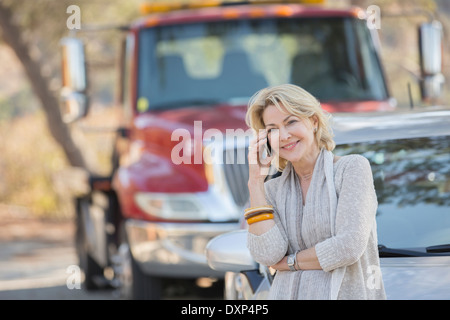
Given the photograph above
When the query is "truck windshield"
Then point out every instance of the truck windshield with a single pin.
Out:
(228, 61)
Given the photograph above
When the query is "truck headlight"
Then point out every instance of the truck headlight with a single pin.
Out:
(171, 206)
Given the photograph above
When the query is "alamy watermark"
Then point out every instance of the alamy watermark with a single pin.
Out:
(372, 15)
(73, 281)
(74, 20)
(209, 146)
(191, 150)
(374, 279)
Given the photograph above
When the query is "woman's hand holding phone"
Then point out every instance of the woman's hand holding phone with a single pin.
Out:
(260, 156)
(259, 164)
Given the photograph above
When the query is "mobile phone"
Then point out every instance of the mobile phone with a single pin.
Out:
(268, 148)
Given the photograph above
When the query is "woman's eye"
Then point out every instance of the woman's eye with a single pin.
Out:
(292, 121)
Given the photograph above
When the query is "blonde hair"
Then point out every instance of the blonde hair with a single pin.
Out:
(296, 101)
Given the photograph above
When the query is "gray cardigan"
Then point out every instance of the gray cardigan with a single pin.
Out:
(345, 242)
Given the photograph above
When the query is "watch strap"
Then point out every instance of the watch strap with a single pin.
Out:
(295, 261)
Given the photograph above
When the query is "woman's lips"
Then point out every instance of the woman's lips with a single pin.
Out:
(290, 146)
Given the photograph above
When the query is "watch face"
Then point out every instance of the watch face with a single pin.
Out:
(290, 260)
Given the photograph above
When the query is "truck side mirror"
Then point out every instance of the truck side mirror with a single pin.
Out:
(228, 252)
(74, 101)
(430, 48)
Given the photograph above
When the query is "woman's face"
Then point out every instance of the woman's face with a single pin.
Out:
(290, 136)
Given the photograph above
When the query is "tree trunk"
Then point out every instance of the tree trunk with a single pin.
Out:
(50, 104)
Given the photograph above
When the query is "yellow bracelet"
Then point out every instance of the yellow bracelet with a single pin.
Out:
(252, 209)
(260, 217)
(255, 213)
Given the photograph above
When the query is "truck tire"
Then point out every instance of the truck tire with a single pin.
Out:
(91, 269)
(145, 287)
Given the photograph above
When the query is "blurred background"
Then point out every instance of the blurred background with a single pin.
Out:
(34, 174)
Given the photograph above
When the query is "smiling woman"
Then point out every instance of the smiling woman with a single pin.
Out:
(286, 109)
(318, 225)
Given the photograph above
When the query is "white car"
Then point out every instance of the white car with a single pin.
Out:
(410, 158)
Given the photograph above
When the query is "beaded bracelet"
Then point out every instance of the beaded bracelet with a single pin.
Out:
(260, 217)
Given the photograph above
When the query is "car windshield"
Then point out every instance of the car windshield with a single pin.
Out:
(228, 61)
(412, 180)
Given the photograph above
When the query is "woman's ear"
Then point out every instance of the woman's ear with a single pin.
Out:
(315, 122)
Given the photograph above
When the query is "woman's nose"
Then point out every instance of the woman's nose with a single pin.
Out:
(283, 134)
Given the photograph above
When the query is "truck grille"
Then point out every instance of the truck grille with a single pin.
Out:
(235, 166)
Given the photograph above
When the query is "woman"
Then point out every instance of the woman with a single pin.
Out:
(315, 224)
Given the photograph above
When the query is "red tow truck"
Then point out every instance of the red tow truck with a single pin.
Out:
(188, 69)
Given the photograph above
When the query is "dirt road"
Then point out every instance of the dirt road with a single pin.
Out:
(38, 261)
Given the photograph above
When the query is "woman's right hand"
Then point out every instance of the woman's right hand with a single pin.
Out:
(258, 171)
(259, 161)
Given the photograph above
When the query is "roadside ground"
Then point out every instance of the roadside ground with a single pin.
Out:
(38, 262)
(37, 258)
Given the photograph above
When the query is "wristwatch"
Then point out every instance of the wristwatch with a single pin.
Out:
(291, 262)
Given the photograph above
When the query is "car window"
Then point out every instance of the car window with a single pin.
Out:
(412, 181)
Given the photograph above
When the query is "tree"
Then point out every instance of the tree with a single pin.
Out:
(11, 33)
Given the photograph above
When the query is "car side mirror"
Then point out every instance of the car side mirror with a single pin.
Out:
(430, 49)
(228, 252)
(73, 99)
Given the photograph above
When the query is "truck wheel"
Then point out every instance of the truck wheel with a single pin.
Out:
(91, 269)
(145, 287)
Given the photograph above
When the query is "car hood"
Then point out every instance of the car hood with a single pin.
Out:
(416, 278)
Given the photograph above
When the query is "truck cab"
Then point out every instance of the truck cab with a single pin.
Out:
(179, 173)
